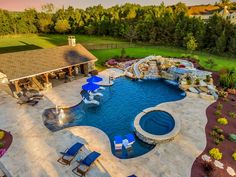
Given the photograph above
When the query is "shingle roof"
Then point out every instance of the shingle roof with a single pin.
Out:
(27, 63)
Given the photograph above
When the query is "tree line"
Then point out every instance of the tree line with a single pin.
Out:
(162, 24)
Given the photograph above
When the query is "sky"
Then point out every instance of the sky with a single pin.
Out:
(18, 5)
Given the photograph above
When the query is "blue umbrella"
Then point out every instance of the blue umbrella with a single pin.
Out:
(90, 86)
(94, 79)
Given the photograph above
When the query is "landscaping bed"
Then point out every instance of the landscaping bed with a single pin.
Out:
(220, 109)
(5, 141)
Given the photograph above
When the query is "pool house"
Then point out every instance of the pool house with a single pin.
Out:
(44, 68)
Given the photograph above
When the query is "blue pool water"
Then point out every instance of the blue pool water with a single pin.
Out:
(119, 107)
(157, 122)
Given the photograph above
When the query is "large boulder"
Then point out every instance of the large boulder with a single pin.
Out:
(232, 137)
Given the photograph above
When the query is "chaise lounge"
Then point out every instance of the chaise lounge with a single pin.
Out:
(70, 154)
(85, 164)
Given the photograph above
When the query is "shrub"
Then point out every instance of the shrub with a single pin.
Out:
(219, 106)
(196, 57)
(2, 133)
(232, 115)
(221, 137)
(122, 53)
(197, 81)
(222, 94)
(1, 145)
(208, 168)
(215, 153)
(208, 78)
(218, 113)
(217, 141)
(234, 155)
(228, 79)
(213, 133)
(222, 121)
(219, 131)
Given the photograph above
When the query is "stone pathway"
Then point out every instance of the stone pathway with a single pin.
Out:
(35, 150)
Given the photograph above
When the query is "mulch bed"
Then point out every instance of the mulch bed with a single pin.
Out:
(226, 147)
(7, 140)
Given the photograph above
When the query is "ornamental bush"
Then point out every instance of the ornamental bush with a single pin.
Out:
(218, 112)
(1, 145)
(232, 115)
(222, 121)
(215, 153)
(219, 106)
(2, 133)
(234, 155)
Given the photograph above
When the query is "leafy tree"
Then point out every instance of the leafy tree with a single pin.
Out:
(62, 26)
(191, 43)
(44, 22)
(221, 43)
(131, 34)
(48, 8)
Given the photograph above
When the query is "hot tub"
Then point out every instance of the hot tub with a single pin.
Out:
(155, 126)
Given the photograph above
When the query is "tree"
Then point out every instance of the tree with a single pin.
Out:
(62, 26)
(221, 43)
(48, 8)
(225, 2)
(191, 43)
(131, 34)
(44, 22)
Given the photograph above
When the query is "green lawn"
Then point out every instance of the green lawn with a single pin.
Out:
(13, 43)
(144, 51)
(33, 41)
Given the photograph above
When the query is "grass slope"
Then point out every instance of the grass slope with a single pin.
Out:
(144, 51)
(12, 43)
(33, 41)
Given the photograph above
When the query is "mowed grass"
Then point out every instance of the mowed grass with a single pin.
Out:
(13, 43)
(143, 51)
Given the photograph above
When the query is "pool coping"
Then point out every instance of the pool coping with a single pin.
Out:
(151, 138)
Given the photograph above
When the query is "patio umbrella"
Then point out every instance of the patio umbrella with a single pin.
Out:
(94, 79)
(90, 86)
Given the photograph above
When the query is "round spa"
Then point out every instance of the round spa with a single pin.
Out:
(155, 126)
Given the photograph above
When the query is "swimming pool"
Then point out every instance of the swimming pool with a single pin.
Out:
(157, 122)
(118, 108)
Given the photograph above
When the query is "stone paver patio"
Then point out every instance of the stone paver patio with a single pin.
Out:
(35, 150)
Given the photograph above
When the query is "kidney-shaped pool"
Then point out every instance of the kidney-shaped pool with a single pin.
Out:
(118, 107)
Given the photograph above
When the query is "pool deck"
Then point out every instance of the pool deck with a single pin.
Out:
(35, 150)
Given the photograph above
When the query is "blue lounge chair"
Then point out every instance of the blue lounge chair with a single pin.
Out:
(128, 141)
(85, 164)
(118, 142)
(70, 154)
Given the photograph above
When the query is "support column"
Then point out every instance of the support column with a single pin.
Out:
(17, 87)
(70, 71)
(47, 84)
(85, 68)
(46, 78)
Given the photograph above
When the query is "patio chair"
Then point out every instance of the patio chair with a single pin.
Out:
(118, 141)
(33, 94)
(26, 100)
(70, 154)
(128, 141)
(85, 164)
